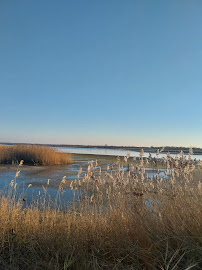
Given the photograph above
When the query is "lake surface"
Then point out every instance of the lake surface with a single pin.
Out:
(113, 152)
(37, 176)
(32, 179)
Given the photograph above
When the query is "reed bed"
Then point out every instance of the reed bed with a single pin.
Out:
(124, 220)
(33, 155)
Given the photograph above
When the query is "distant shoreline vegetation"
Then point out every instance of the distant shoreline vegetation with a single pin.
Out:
(151, 149)
(33, 155)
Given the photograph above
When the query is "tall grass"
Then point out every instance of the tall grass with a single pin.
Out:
(33, 155)
(125, 220)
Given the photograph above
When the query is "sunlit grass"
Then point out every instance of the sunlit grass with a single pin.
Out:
(124, 220)
(33, 155)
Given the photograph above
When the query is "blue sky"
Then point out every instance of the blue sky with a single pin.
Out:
(120, 72)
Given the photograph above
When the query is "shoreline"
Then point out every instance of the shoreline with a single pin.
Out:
(152, 149)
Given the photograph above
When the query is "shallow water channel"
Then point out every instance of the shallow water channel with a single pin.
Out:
(33, 179)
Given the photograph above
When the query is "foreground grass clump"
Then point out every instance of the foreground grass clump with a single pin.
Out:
(125, 220)
(33, 155)
(128, 235)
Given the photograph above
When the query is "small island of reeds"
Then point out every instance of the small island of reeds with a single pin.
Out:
(33, 155)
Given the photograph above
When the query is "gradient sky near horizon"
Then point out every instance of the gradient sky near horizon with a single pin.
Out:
(116, 72)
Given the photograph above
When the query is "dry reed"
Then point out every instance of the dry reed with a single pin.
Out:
(125, 220)
(33, 155)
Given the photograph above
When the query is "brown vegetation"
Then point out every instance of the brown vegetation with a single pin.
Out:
(110, 227)
(32, 155)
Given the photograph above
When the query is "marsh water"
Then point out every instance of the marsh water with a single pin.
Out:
(113, 152)
(33, 179)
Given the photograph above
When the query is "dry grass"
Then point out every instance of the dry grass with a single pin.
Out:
(32, 155)
(125, 220)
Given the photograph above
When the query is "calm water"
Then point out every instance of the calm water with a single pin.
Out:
(38, 176)
(112, 152)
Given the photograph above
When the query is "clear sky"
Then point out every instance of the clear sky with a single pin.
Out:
(119, 72)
